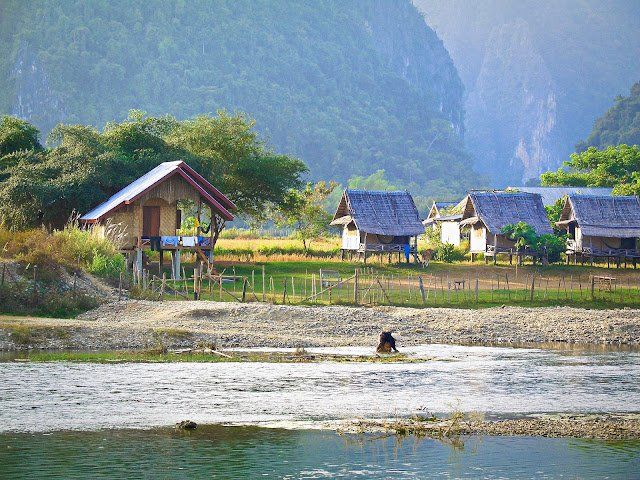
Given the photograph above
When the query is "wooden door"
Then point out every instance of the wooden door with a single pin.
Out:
(151, 221)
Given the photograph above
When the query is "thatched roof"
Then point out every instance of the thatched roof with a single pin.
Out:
(452, 210)
(382, 213)
(551, 195)
(499, 209)
(603, 216)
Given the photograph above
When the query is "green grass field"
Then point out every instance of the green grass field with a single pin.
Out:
(443, 285)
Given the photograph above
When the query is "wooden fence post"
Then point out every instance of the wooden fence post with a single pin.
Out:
(284, 291)
(477, 281)
(244, 289)
(264, 294)
(356, 293)
(421, 285)
(533, 286)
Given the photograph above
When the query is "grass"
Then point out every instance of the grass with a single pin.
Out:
(31, 334)
(554, 284)
(156, 356)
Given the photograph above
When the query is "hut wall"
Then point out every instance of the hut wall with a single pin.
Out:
(450, 233)
(478, 238)
(350, 237)
(601, 243)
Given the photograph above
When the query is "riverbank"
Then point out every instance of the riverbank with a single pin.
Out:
(603, 426)
(138, 324)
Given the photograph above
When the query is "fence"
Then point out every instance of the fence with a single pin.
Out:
(368, 286)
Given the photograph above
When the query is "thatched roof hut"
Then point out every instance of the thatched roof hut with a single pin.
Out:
(487, 213)
(146, 214)
(601, 225)
(377, 221)
(447, 216)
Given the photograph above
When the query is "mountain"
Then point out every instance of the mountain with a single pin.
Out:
(537, 73)
(350, 87)
(620, 124)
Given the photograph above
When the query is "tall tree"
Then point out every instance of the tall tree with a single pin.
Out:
(617, 167)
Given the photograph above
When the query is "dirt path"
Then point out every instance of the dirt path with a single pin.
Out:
(141, 324)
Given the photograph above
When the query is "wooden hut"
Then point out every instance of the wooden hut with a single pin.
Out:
(487, 213)
(601, 226)
(446, 215)
(144, 215)
(378, 222)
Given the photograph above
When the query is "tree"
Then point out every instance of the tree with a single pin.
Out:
(17, 135)
(234, 159)
(551, 246)
(304, 212)
(617, 167)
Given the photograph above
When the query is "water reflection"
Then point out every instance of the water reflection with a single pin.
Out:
(249, 452)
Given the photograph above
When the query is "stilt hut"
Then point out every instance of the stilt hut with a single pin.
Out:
(601, 227)
(144, 215)
(487, 213)
(378, 222)
(446, 215)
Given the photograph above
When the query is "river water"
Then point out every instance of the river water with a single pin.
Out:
(83, 409)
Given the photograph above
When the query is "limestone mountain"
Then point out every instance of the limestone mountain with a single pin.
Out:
(350, 87)
(537, 72)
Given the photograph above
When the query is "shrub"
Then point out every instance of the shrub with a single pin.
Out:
(448, 253)
(108, 266)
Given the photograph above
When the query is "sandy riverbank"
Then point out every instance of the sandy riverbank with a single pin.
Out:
(141, 324)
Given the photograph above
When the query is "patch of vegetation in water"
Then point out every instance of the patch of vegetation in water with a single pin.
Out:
(203, 356)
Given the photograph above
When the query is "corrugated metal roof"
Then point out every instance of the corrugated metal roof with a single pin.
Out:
(551, 195)
(499, 209)
(604, 216)
(148, 181)
(380, 212)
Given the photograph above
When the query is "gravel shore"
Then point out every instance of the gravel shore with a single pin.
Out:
(174, 324)
(604, 426)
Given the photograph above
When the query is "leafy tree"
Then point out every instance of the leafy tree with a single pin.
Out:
(617, 167)
(305, 213)
(526, 237)
(17, 135)
(554, 211)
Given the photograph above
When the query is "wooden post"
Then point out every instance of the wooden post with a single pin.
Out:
(284, 291)
(244, 289)
(533, 286)
(356, 293)
(264, 294)
(506, 275)
(421, 285)
(592, 287)
(163, 284)
(477, 281)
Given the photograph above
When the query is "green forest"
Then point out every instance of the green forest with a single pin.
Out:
(337, 84)
(619, 125)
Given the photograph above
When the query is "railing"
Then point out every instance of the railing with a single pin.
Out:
(493, 250)
(380, 247)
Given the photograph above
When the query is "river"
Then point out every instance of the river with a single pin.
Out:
(104, 412)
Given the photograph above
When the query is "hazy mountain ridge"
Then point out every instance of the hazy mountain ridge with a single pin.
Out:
(349, 87)
(590, 50)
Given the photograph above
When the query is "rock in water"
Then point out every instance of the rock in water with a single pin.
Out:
(187, 425)
(387, 343)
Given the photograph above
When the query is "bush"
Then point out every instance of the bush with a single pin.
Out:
(448, 253)
(107, 266)
(71, 248)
